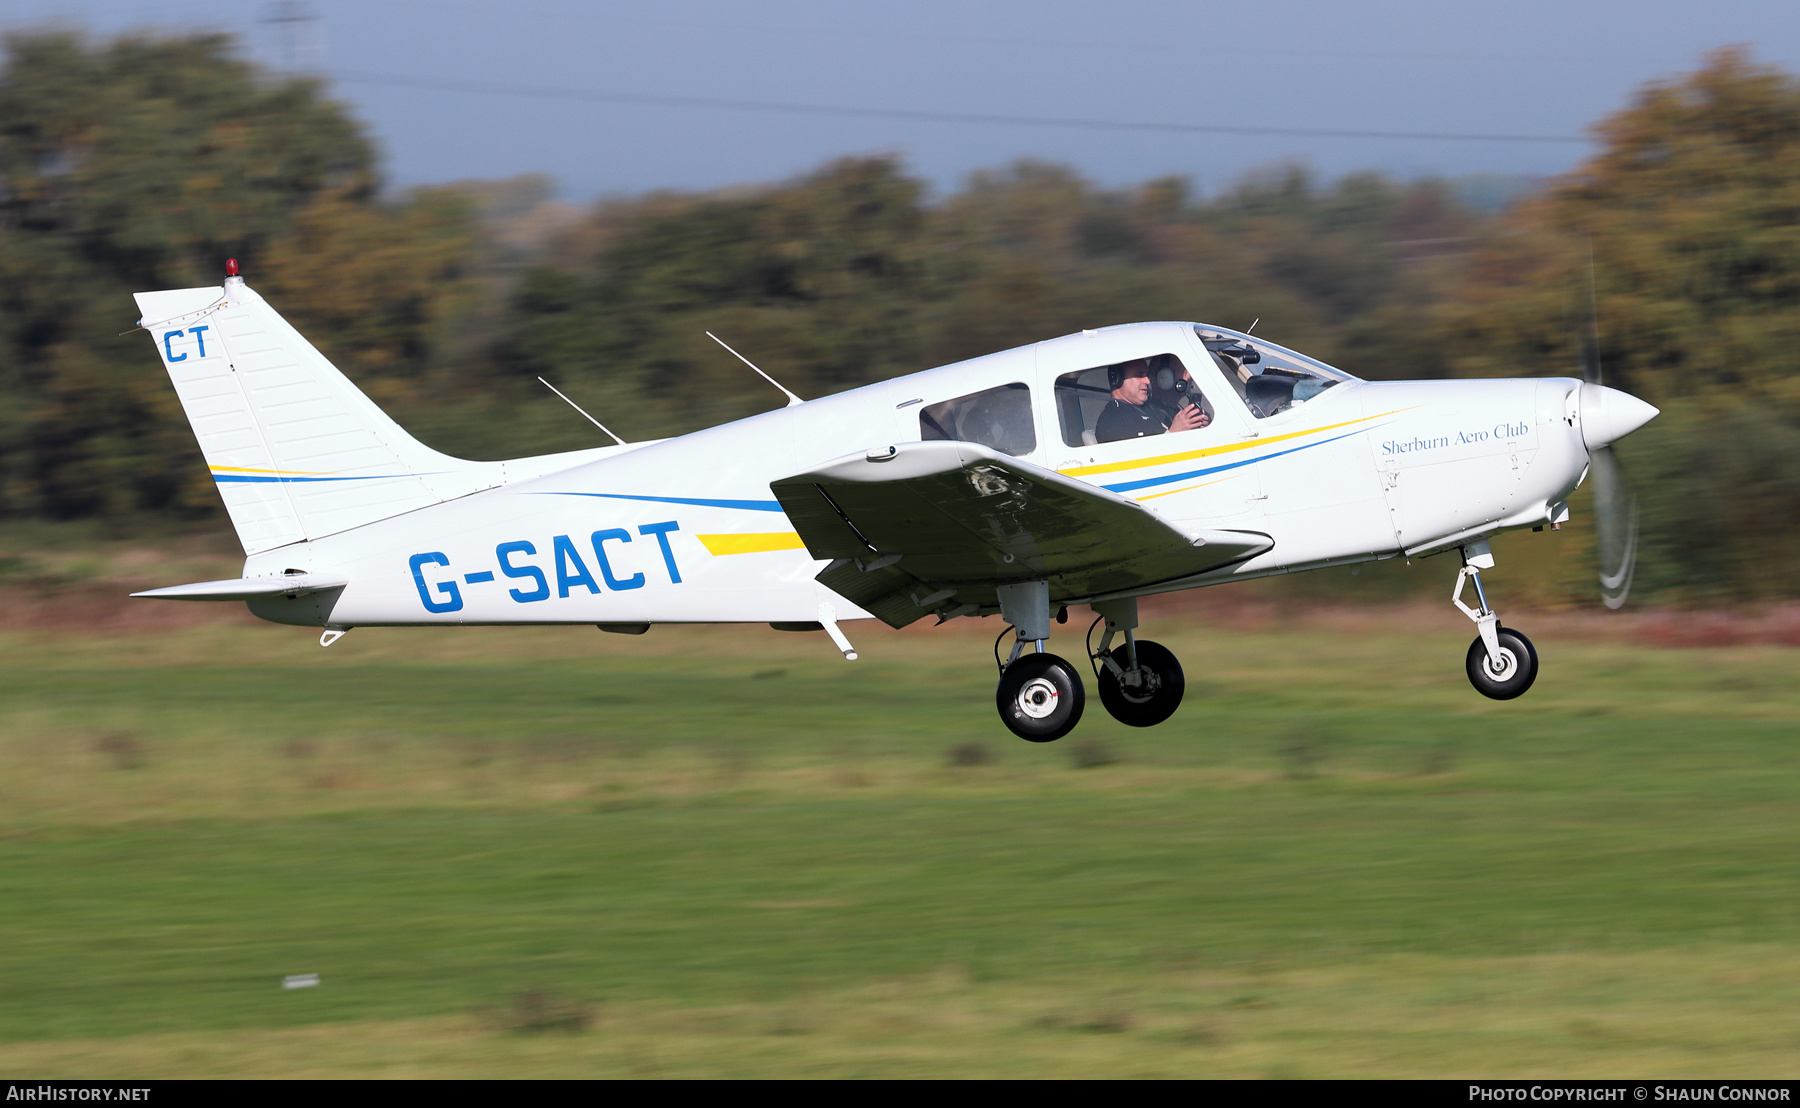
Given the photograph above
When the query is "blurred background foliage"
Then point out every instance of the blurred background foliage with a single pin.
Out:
(143, 162)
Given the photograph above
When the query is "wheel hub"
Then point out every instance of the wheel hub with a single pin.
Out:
(1144, 689)
(1508, 664)
(1038, 698)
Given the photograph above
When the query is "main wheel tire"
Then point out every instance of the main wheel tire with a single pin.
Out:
(1153, 701)
(1517, 670)
(1040, 698)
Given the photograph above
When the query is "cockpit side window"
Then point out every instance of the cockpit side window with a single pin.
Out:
(1083, 397)
(999, 418)
(1269, 379)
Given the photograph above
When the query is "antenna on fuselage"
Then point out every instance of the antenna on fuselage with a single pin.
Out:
(792, 399)
(577, 407)
(1252, 327)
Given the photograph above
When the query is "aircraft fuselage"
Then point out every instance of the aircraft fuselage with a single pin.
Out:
(687, 529)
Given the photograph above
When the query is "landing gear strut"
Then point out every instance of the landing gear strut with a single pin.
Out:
(1141, 683)
(1502, 663)
(1040, 697)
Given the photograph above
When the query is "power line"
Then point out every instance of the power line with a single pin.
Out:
(1171, 45)
(300, 33)
(591, 96)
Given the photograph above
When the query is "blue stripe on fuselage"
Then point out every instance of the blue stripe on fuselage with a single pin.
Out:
(745, 505)
(1148, 482)
(1125, 486)
(250, 479)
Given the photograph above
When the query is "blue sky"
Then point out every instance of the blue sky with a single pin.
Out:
(1529, 67)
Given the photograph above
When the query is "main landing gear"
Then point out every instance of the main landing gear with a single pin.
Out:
(1141, 683)
(1502, 663)
(1041, 697)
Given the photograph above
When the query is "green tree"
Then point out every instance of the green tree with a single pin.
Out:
(1687, 224)
(143, 163)
(818, 281)
(849, 275)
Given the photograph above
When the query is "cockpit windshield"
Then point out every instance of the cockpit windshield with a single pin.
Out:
(1271, 379)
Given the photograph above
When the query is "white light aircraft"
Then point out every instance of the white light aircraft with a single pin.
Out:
(1018, 484)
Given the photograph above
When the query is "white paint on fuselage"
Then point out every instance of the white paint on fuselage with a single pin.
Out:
(1364, 470)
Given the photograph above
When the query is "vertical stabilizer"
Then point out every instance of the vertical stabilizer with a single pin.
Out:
(297, 450)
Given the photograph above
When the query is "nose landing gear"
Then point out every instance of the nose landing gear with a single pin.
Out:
(1501, 662)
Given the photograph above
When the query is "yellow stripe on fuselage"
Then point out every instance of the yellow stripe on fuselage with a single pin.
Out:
(756, 542)
(268, 472)
(1184, 488)
(1212, 451)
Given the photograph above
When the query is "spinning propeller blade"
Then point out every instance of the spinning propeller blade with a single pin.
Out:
(1615, 508)
(1615, 527)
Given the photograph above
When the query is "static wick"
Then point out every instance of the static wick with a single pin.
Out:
(577, 407)
(792, 399)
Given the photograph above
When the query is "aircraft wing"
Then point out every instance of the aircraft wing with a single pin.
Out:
(934, 526)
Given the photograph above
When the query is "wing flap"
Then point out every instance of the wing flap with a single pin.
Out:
(887, 592)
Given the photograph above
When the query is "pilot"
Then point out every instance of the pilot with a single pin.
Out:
(1129, 415)
(1173, 396)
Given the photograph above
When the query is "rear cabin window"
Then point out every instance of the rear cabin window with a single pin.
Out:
(1083, 397)
(999, 418)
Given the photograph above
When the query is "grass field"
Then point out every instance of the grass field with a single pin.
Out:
(728, 852)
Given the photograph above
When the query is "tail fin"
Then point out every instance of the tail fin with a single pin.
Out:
(297, 450)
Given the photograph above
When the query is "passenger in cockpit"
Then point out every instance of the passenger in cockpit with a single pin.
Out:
(1174, 397)
(1125, 415)
(1130, 415)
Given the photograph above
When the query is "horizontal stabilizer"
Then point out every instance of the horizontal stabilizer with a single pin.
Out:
(249, 588)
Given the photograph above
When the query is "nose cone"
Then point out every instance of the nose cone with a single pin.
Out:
(1608, 415)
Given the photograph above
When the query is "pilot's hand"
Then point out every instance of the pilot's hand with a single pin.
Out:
(1188, 418)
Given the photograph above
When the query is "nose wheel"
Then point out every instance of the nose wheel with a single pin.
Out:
(1506, 673)
(1502, 663)
(1040, 697)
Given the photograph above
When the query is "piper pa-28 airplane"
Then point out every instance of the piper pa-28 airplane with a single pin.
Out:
(1090, 469)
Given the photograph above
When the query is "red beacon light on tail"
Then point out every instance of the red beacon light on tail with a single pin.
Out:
(231, 267)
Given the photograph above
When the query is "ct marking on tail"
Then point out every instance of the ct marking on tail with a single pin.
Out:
(199, 334)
